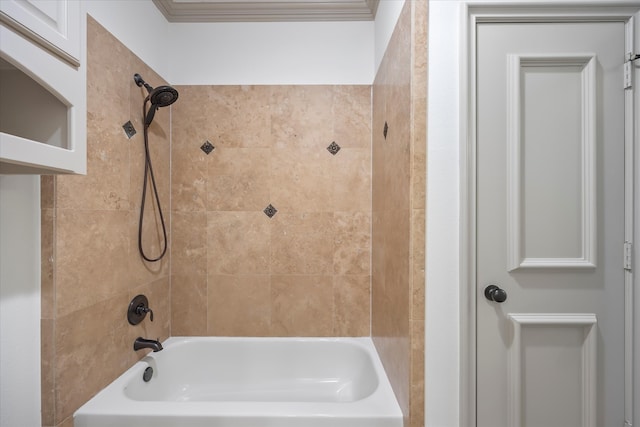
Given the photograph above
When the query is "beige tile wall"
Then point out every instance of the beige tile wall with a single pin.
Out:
(306, 270)
(399, 172)
(91, 268)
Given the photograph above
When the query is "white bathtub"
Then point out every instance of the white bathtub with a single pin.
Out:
(250, 382)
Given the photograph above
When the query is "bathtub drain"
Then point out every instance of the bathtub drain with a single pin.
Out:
(148, 373)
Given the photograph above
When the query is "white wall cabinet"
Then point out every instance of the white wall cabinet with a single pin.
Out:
(42, 87)
(55, 25)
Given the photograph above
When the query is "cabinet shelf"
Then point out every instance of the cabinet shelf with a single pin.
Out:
(25, 156)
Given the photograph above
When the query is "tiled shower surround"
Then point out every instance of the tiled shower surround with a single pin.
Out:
(398, 210)
(272, 232)
(90, 263)
(268, 195)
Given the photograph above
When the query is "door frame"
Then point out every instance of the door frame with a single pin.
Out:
(514, 11)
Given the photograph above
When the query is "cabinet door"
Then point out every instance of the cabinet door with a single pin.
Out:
(52, 24)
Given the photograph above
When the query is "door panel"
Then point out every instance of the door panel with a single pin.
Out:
(550, 221)
(552, 370)
(550, 128)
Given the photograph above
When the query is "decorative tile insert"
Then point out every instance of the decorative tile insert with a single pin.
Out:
(207, 147)
(333, 148)
(384, 131)
(270, 211)
(129, 129)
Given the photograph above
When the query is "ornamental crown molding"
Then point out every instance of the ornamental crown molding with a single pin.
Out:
(267, 10)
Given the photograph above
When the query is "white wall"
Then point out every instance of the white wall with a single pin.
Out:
(386, 19)
(250, 52)
(271, 53)
(443, 220)
(20, 301)
(282, 52)
(140, 26)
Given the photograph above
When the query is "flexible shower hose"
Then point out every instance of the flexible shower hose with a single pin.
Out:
(148, 171)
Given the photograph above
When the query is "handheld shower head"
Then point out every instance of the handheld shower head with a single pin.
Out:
(161, 96)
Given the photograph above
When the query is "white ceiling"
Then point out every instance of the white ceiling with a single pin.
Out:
(267, 10)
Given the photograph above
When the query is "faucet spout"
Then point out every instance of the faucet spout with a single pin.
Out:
(141, 343)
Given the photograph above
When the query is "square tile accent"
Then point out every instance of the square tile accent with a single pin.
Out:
(207, 147)
(384, 131)
(270, 211)
(129, 129)
(333, 148)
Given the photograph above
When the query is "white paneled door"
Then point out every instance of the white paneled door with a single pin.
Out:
(550, 224)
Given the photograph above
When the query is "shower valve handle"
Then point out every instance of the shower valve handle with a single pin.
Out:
(143, 309)
(138, 309)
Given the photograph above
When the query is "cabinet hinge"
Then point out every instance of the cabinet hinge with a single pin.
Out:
(628, 255)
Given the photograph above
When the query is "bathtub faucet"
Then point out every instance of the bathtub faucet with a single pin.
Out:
(141, 343)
